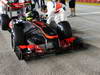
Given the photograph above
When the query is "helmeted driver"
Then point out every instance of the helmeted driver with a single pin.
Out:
(32, 15)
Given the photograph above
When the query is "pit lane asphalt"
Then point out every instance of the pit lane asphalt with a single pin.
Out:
(81, 62)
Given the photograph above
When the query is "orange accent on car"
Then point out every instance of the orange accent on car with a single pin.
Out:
(46, 35)
(51, 37)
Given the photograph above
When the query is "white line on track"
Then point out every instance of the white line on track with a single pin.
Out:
(89, 13)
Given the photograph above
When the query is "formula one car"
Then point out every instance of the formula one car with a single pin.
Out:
(37, 38)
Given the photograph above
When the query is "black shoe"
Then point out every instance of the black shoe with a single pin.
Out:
(70, 16)
(74, 15)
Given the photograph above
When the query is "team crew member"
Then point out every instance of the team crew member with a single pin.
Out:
(72, 7)
(57, 13)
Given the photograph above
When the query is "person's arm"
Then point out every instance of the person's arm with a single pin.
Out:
(51, 16)
(50, 12)
(3, 2)
(3, 6)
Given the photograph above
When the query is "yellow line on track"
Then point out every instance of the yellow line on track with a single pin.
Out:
(85, 3)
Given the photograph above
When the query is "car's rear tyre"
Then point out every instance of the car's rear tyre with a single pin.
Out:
(5, 21)
(64, 30)
(78, 43)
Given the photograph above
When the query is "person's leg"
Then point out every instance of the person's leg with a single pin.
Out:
(73, 12)
(34, 2)
(38, 3)
(72, 8)
(70, 15)
(0, 20)
(43, 2)
(0, 23)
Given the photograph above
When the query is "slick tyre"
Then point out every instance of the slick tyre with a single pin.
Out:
(18, 53)
(64, 30)
(18, 38)
(5, 21)
(15, 45)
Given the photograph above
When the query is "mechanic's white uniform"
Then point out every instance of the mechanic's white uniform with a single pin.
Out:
(57, 17)
(2, 6)
(50, 13)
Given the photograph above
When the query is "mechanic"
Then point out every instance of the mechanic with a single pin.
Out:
(54, 11)
(58, 12)
(50, 9)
